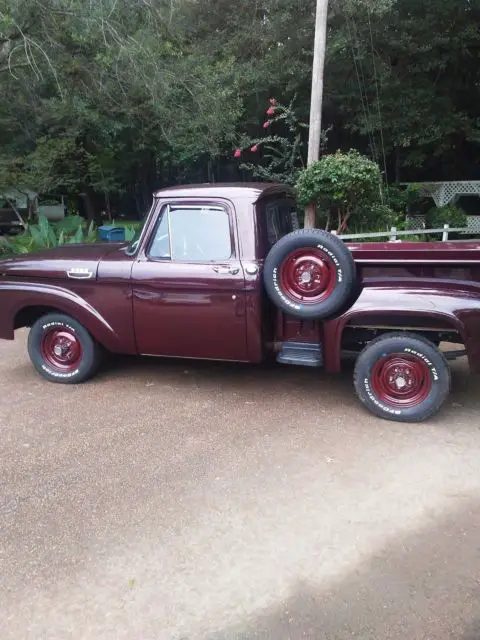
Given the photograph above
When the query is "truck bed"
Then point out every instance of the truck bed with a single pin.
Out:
(416, 252)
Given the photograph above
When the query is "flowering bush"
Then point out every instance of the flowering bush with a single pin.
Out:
(280, 156)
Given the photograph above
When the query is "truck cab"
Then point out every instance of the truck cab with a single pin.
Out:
(196, 277)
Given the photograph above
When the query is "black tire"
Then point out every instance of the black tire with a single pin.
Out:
(80, 357)
(338, 268)
(431, 375)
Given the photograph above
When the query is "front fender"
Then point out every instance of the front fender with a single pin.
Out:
(17, 296)
(454, 308)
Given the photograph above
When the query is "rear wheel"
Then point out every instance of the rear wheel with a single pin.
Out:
(402, 377)
(62, 350)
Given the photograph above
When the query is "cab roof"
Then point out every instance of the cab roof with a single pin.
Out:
(252, 191)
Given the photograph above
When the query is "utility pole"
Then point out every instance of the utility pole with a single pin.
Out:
(316, 100)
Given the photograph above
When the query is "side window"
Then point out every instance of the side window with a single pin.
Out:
(281, 218)
(197, 234)
(160, 247)
(273, 226)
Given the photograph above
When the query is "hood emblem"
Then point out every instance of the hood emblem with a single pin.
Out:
(79, 273)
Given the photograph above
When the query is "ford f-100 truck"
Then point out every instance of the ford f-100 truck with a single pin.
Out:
(222, 272)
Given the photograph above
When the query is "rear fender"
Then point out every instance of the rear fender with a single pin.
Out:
(456, 310)
(17, 296)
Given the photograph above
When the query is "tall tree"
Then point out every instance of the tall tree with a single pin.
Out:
(117, 98)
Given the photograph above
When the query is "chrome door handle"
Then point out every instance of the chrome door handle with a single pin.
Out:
(227, 270)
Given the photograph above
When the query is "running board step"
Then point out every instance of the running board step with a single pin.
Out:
(307, 354)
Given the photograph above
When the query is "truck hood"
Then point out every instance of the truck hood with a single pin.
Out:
(77, 262)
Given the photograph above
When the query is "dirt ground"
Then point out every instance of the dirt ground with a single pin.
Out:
(179, 500)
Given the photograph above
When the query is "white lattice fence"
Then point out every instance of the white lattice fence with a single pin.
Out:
(473, 224)
(416, 222)
(419, 222)
(444, 193)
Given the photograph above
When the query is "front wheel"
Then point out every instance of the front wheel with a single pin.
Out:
(62, 350)
(402, 377)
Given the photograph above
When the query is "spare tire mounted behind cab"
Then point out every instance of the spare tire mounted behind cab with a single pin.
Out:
(309, 274)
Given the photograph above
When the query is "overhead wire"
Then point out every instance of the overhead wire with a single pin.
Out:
(380, 123)
(363, 98)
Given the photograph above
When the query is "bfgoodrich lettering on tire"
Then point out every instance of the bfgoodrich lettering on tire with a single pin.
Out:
(402, 377)
(309, 274)
(62, 350)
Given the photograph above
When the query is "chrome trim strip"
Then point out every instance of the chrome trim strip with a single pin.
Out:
(387, 261)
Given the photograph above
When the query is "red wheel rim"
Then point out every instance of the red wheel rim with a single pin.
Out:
(61, 349)
(401, 380)
(308, 275)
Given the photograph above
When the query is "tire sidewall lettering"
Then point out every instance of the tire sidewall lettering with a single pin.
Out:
(428, 362)
(57, 374)
(374, 399)
(287, 301)
(334, 259)
(49, 325)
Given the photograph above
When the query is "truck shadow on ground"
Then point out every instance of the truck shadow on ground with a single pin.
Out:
(312, 385)
(423, 585)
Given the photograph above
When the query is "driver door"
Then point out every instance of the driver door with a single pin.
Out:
(189, 287)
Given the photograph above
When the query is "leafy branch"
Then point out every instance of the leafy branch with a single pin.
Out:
(281, 156)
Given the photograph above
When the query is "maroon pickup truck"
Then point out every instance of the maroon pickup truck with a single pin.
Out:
(222, 272)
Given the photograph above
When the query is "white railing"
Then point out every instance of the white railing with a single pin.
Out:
(393, 233)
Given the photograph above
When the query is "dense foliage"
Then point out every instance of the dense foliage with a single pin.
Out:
(450, 214)
(113, 99)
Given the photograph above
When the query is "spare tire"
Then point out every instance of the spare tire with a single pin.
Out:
(309, 274)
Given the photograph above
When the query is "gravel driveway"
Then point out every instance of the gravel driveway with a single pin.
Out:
(179, 500)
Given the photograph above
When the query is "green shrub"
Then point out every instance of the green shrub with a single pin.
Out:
(5, 249)
(69, 224)
(344, 185)
(47, 235)
(450, 214)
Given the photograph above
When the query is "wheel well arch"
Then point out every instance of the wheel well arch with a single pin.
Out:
(416, 322)
(384, 320)
(27, 316)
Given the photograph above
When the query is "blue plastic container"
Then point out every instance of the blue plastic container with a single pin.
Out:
(111, 234)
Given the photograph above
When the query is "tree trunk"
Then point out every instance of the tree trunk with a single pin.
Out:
(343, 221)
(327, 226)
(88, 200)
(108, 208)
(210, 171)
(310, 211)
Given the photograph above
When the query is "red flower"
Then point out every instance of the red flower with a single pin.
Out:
(273, 102)
(271, 111)
(254, 148)
(266, 124)
(238, 153)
